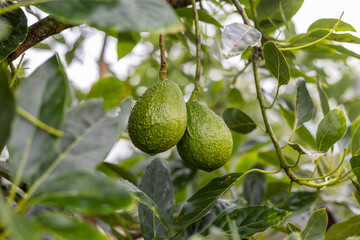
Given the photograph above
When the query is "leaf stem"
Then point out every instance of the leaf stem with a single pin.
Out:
(22, 112)
(196, 90)
(275, 98)
(296, 163)
(16, 71)
(242, 12)
(286, 198)
(163, 67)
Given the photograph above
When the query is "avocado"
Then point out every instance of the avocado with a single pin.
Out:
(207, 143)
(158, 119)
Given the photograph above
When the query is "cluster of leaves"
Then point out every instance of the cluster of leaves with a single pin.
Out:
(56, 183)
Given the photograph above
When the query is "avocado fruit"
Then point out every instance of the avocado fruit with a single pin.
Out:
(158, 119)
(207, 143)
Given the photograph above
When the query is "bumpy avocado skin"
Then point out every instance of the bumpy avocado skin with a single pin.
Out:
(158, 119)
(207, 143)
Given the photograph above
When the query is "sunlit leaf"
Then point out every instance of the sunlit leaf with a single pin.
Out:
(331, 129)
(329, 23)
(355, 166)
(343, 230)
(237, 37)
(238, 121)
(304, 107)
(126, 43)
(316, 226)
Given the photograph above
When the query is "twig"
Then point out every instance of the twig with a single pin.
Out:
(163, 68)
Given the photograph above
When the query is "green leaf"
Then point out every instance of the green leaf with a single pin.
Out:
(156, 183)
(297, 200)
(254, 187)
(252, 219)
(331, 129)
(7, 110)
(343, 230)
(270, 9)
(111, 89)
(86, 192)
(323, 98)
(304, 107)
(301, 150)
(43, 95)
(316, 226)
(355, 142)
(238, 121)
(276, 63)
(295, 73)
(4, 29)
(290, 228)
(17, 23)
(343, 50)
(70, 55)
(20, 228)
(203, 16)
(354, 125)
(201, 202)
(237, 37)
(126, 43)
(355, 166)
(293, 236)
(329, 23)
(338, 37)
(88, 140)
(116, 15)
(63, 226)
(117, 171)
(146, 200)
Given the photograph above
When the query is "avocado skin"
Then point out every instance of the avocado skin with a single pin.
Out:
(158, 119)
(207, 143)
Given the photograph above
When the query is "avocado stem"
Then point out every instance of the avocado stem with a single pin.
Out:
(163, 68)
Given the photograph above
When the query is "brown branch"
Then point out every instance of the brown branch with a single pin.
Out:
(38, 32)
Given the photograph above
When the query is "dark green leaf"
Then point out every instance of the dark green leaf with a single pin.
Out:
(111, 89)
(304, 108)
(63, 226)
(117, 171)
(292, 228)
(181, 175)
(270, 9)
(7, 103)
(252, 219)
(323, 98)
(276, 63)
(86, 192)
(43, 95)
(238, 121)
(20, 228)
(355, 165)
(88, 140)
(331, 129)
(199, 204)
(297, 200)
(70, 55)
(316, 226)
(343, 230)
(329, 23)
(17, 31)
(254, 187)
(116, 15)
(203, 16)
(157, 185)
(355, 142)
(237, 37)
(126, 43)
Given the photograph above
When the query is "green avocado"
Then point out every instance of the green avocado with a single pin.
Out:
(158, 119)
(207, 143)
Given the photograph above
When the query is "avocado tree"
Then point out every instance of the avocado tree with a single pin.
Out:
(245, 133)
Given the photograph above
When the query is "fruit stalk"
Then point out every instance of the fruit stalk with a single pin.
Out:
(196, 90)
(163, 68)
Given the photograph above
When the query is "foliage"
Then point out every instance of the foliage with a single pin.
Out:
(295, 125)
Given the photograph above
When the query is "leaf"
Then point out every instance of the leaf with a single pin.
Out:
(252, 219)
(202, 201)
(4, 29)
(238, 121)
(301, 150)
(343, 230)
(329, 23)
(297, 200)
(43, 95)
(254, 187)
(86, 192)
(111, 89)
(63, 226)
(203, 16)
(181, 175)
(270, 9)
(146, 200)
(290, 228)
(117, 171)
(293, 236)
(355, 142)
(304, 107)
(156, 183)
(316, 226)
(323, 98)
(20, 228)
(331, 129)
(88, 140)
(276, 63)
(70, 55)
(126, 43)
(116, 15)
(295, 73)
(343, 50)
(7, 110)
(355, 166)
(236, 37)
(17, 23)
